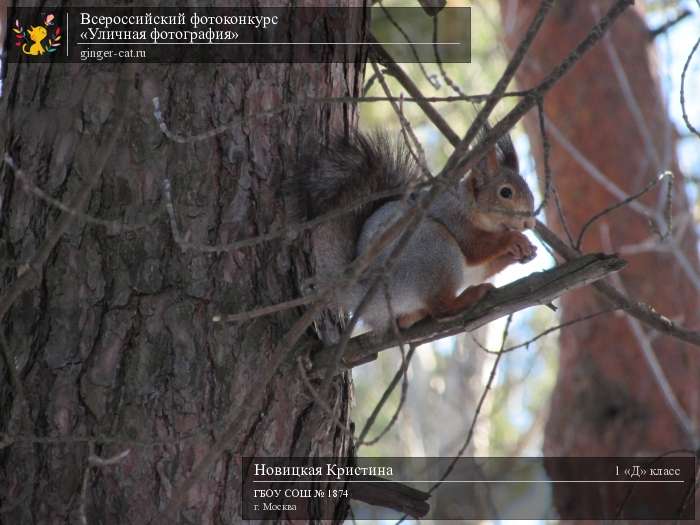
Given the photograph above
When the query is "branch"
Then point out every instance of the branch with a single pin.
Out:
(399, 74)
(433, 7)
(538, 288)
(685, 70)
(396, 496)
(621, 203)
(653, 33)
(641, 311)
(513, 116)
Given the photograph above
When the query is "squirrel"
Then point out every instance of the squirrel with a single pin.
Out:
(469, 233)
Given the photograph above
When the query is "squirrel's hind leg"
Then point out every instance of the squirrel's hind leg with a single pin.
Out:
(446, 304)
(407, 320)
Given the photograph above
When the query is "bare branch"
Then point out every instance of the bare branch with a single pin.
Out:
(265, 310)
(560, 214)
(396, 496)
(113, 226)
(641, 311)
(526, 104)
(399, 74)
(436, 50)
(400, 373)
(430, 78)
(617, 205)
(546, 147)
(685, 70)
(458, 159)
(406, 128)
(629, 97)
(97, 461)
(479, 406)
(320, 402)
(475, 417)
(656, 369)
(536, 289)
(546, 332)
(653, 33)
(184, 139)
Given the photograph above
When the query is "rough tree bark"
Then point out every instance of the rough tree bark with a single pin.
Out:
(606, 401)
(114, 337)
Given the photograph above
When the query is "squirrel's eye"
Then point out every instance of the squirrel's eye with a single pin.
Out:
(506, 192)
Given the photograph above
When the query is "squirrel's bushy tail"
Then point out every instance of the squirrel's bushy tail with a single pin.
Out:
(358, 169)
(354, 174)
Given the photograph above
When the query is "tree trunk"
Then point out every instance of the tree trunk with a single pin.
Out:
(607, 402)
(111, 347)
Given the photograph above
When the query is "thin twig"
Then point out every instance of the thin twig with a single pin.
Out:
(287, 231)
(545, 156)
(430, 78)
(657, 371)
(653, 33)
(406, 128)
(458, 158)
(641, 311)
(185, 139)
(320, 402)
(507, 122)
(436, 49)
(685, 70)
(617, 205)
(560, 214)
(399, 74)
(97, 461)
(479, 405)
(475, 417)
(265, 310)
(400, 373)
(546, 332)
(112, 225)
(668, 209)
(673, 246)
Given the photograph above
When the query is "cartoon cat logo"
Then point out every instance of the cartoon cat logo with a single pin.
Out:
(32, 41)
(36, 35)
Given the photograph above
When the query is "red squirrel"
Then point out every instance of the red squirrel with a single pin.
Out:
(470, 232)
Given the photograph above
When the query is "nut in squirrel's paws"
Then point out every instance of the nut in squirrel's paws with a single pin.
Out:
(521, 249)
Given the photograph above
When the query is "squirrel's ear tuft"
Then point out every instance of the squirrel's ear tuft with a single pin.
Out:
(487, 168)
(493, 165)
(475, 182)
(509, 158)
(478, 178)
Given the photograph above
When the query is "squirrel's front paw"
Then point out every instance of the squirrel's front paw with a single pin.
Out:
(521, 249)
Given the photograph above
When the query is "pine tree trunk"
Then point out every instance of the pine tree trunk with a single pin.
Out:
(114, 335)
(607, 401)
